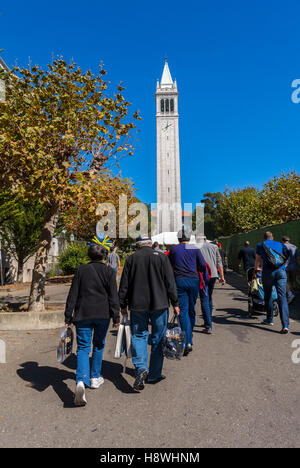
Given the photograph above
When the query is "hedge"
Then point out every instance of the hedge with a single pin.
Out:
(233, 244)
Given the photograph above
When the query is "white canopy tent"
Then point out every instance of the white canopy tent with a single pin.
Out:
(170, 238)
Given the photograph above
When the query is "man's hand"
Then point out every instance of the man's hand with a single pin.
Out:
(222, 281)
(116, 325)
(67, 325)
(176, 310)
(124, 311)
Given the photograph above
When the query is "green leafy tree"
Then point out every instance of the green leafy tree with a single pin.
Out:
(20, 228)
(280, 198)
(59, 129)
(211, 201)
(212, 228)
(244, 209)
(240, 210)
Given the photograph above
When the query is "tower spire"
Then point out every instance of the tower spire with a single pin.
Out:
(166, 79)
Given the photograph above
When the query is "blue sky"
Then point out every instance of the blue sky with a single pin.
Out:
(234, 63)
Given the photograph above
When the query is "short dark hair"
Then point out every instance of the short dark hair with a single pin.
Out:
(184, 235)
(268, 235)
(155, 245)
(286, 239)
(96, 252)
(247, 243)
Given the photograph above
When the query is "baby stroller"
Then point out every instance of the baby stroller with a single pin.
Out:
(256, 296)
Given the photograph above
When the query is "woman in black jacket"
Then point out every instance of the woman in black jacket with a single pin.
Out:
(92, 302)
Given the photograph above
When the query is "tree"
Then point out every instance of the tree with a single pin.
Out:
(240, 210)
(106, 189)
(58, 130)
(244, 209)
(20, 227)
(280, 198)
(211, 202)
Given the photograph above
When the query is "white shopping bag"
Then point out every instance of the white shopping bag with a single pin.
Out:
(123, 344)
(119, 343)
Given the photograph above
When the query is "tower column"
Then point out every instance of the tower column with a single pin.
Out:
(169, 217)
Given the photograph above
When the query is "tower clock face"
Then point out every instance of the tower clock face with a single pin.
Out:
(165, 126)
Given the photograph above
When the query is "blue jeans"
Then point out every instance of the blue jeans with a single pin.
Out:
(84, 332)
(188, 290)
(115, 270)
(277, 278)
(207, 303)
(139, 322)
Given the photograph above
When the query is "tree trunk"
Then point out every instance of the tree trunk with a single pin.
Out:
(37, 292)
(20, 270)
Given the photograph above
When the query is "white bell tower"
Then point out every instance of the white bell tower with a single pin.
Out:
(169, 211)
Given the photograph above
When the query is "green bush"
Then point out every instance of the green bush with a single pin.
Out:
(74, 256)
(53, 270)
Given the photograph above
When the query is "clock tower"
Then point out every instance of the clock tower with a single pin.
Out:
(169, 212)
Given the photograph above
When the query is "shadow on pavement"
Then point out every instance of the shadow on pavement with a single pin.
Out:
(241, 299)
(237, 313)
(237, 281)
(71, 362)
(113, 371)
(42, 377)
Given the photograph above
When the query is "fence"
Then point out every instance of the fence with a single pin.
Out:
(233, 244)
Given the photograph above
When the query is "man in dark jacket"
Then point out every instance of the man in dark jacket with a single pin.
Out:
(147, 287)
(247, 256)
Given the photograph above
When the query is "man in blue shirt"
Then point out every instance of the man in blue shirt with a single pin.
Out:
(187, 262)
(273, 275)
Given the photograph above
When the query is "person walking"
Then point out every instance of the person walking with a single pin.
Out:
(91, 304)
(212, 256)
(187, 262)
(147, 287)
(113, 260)
(272, 257)
(223, 257)
(247, 257)
(156, 247)
(292, 267)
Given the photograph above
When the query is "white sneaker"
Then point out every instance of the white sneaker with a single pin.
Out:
(80, 399)
(96, 382)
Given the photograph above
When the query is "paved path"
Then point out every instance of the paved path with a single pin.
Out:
(239, 388)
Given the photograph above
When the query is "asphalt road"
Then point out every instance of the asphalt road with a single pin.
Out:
(238, 388)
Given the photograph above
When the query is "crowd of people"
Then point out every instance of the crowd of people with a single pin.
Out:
(151, 281)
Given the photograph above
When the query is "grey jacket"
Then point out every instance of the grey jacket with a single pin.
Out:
(212, 256)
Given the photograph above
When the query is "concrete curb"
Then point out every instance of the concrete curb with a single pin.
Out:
(16, 321)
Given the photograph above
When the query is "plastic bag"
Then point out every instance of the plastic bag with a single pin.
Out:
(64, 348)
(254, 288)
(173, 341)
(123, 344)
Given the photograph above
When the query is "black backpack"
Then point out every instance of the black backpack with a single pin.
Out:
(274, 259)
